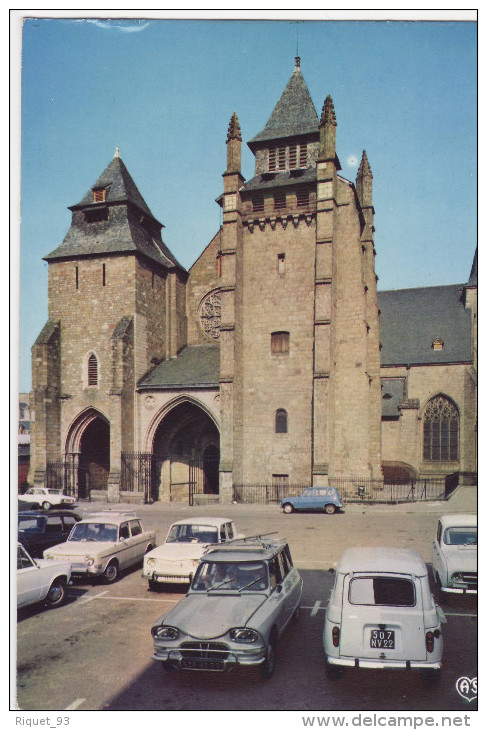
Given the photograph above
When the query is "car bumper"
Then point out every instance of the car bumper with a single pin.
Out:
(372, 664)
(464, 591)
(165, 577)
(223, 661)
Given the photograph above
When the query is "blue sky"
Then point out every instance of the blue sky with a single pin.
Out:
(163, 91)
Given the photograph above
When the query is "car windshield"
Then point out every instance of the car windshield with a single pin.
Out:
(206, 534)
(382, 591)
(231, 576)
(31, 524)
(94, 532)
(461, 536)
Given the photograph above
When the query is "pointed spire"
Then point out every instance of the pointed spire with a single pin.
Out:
(234, 145)
(234, 129)
(328, 124)
(363, 182)
(117, 152)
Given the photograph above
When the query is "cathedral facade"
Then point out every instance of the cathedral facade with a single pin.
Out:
(273, 361)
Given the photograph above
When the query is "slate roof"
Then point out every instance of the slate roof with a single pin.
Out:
(411, 319)
(280, 179)
(294, 113)
(124, 231)
(474, 272)
(196, 366)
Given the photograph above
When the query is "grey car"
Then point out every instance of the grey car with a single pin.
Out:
(242, 597)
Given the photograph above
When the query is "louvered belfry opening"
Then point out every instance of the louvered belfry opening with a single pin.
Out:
(92, 370)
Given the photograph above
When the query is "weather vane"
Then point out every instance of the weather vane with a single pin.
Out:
(297, 23)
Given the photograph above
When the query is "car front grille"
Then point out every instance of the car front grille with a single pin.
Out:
(470, 579)
(204, 650)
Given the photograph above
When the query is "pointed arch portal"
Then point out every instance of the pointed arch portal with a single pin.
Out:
(88, 450)
(186, 449)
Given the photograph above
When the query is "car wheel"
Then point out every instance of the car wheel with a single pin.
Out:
(56, 594)
(430, 677)
(267, 667)
(288, 508)
(111, 572)
(332, 671)
(46, 506)
(330, 509)
(153, 585)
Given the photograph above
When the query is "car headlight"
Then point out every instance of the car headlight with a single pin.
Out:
(165, 632)
(89, 560)
(244, 636)
(196, 562)
(457, 577)
(151, 562)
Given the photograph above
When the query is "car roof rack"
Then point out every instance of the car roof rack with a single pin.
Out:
(109, 513)
(250, 542)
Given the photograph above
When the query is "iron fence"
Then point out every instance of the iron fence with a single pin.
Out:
(351, 489)
(137, 474)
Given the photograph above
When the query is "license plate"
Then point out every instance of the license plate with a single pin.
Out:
(214, 665)
(382, 639)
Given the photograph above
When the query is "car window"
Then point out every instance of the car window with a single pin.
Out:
(251, 576)
(54, 525)
(206, 534)
(438, 533)
(54, 491)
(124, 530)
(69, 521)
(382, 591)
(31, 524)
(288, 555)
(223, 535)
(275, 575)
(307, 493)
(460, 536)
(93, 532)
(283, 564)
(136, 528)
(23, 560)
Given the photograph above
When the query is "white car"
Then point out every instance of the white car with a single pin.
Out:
(40, 580)
(177, 559)
(47, 497)
(455, 553)
(381, 614)
(103, 544)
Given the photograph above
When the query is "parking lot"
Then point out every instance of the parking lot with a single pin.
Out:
(94, 652)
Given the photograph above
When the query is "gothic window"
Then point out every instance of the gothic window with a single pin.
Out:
(210, 314)
(281, 421)
(104, 274)
(77, 277)
(279, 343)
(92, 370)
(440, 430)
(281, 263)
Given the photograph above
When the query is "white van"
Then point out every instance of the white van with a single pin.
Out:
(381, 614)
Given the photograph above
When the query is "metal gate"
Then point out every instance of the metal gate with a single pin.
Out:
(200, 479)
(138, 474)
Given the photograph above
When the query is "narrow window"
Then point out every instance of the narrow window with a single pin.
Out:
(279, 201)
(77, 278)
(302, 198)
(279, 343)
(92, 370)
(99, 195)
(293, 156)
(219, 263)
(272, 159)
(303, 155)
(281, 263)
(258, 204)
(281, 421)
(104, 274)
(440, 430)
(282, 158)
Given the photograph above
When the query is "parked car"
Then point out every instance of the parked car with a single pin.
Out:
(38, 531)
(23, 506)
(40, 580)
(455, 554)
(381, 614)
(104, 543)
(324, 499)
(242, 597)
(177, 559)
(47, 498)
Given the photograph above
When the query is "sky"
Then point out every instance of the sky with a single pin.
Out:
(164, 91)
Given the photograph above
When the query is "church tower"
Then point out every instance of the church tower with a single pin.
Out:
(116, 308)
(299, 337)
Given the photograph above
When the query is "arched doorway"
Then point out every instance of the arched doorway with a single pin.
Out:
(88, 453)
(186, 449)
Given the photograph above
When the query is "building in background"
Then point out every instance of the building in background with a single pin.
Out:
(273, 361)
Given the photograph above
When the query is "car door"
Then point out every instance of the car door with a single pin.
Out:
(139, 542)
(437, 557)
(290, 585)
(126, 552)
(277, 599)
(29, 582)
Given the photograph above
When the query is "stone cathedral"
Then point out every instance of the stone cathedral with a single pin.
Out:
(274, 362)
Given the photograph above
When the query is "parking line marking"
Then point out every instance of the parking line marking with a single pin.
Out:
(74, 705)
(92, 598)
(315, 608)
(469, 615)
(129, 598)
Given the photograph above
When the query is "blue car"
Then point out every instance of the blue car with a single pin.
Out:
(325, 499)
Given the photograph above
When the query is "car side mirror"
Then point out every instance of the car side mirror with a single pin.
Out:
(278, 588)
(121, 539)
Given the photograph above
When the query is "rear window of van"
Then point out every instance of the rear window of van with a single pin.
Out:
(382, 591)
